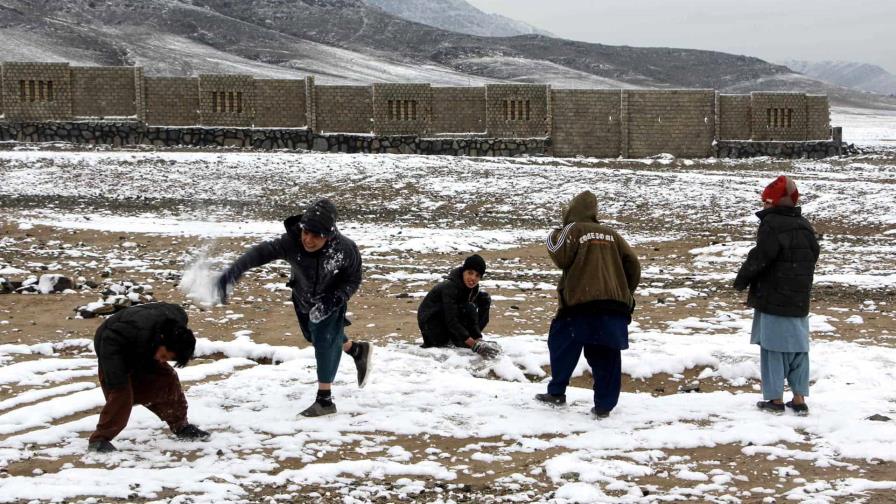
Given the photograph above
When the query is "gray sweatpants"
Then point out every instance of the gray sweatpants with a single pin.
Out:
(778, 366)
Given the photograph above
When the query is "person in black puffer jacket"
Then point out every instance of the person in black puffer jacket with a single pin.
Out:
(133, 348)
(325, 273)
(779, 272)
(456, 310)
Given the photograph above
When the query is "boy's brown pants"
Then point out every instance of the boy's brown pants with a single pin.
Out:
(157, 388)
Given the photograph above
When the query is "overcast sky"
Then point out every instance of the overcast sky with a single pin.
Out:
(775, 30)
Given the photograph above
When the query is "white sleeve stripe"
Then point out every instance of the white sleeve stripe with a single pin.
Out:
(553, 247)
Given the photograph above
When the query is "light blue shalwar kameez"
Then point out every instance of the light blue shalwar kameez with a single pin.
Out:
(784, 343)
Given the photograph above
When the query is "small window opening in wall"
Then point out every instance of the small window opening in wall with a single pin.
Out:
(513, 110)
(22, 92)
(230, 102)
(239, 102)
(391, 110)
(506, 108)
(413, 110)
(32, 94)
(527, 110)
(214, 101)
(50, 95)
(41, 91)
(789, 116)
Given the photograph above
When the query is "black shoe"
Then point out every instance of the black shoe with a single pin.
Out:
(190, 432)
(599, 413)
(318, 410)
(101, 446)
(363, 361)
(770, 407)
(555, 400)
(799, 409)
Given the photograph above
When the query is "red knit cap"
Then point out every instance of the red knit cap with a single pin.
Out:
(781, 192)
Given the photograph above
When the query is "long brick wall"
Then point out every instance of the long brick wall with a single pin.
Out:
(586, 122)
(589, 122)
(344, 109)
(101, 92)
(458, 110)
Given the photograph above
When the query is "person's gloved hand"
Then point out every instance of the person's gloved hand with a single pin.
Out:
(224, 286)
(486, 349)
(323, 307)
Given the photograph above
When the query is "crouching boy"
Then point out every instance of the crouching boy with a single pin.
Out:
(133, 348)
(456, 310)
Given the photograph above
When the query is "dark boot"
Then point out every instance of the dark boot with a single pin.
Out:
(554, 400)
(190, 432)
(770, 407)
(799, 409)
(101, 446)
(362, 353)
(598, 413)
(318, 410)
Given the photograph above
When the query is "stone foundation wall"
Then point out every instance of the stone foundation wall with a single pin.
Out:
(136, 133)
(794, 150)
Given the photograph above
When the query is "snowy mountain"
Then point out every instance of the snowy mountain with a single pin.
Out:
(861, 76)
(349, 41)
(457, 16)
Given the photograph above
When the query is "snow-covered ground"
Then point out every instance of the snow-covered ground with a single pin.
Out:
(866, 126)
(433, 421)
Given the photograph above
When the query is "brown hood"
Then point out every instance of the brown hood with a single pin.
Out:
(582, 208)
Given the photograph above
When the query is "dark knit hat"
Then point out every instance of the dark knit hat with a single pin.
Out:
(476, 263)
(781, 192)
(320, 218)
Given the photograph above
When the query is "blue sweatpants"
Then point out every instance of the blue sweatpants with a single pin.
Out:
(327, 336)
(775, 367)
(566, 340)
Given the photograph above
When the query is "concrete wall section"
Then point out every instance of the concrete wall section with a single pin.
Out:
(517, 110)
(779, 116)
(402, 109)
(226, 100)
(344, 109)
(101, 92)
(458, 110)
(172, 101)
(37, 91)
(818, 118)
(680, 122)
(735, 117)
(280, 103)
(586, 122)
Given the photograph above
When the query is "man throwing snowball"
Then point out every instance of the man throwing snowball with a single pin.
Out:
(326, 272)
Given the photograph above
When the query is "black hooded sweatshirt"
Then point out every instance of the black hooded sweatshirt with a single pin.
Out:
(329, 276)
(445, 301)
(127, 341)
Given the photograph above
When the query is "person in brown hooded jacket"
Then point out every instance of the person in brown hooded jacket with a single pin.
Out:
(595, 293)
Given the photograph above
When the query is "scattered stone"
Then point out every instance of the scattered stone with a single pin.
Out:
(879, 418)
(694, 386)
(54, 283)
(514, 307)
(403, 295)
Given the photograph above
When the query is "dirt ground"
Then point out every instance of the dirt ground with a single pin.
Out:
(384, 311)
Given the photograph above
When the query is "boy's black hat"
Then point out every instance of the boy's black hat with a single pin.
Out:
(476, 263)
(320, 218)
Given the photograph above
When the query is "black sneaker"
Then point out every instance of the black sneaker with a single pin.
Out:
(799, 409)
(599, 413)
(555, 400)
(101, 446)
(770, 407)
(318, 410)
(363, 361)
(190, 432)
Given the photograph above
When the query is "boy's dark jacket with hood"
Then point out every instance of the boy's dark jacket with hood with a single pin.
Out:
(446, 300)
(779, 270)
(329, 276)
(127, 341)
(600, 269)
